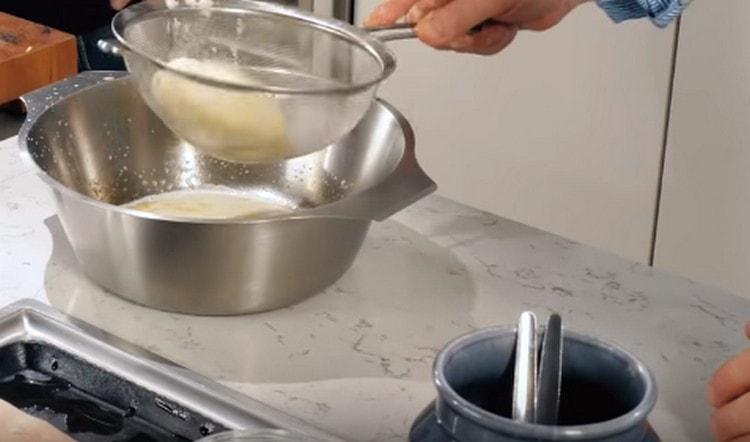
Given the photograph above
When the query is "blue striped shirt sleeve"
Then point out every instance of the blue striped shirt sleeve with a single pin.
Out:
(661, 12)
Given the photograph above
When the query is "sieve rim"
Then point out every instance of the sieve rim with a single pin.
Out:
(355, 36)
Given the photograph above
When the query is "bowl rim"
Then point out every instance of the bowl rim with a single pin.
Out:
(356, 36)
(595, 431)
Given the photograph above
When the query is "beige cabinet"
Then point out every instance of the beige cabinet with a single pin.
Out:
(704, 222)
(563, 131)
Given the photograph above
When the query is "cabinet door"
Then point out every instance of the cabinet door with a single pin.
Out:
(704, 222)
(562, 131)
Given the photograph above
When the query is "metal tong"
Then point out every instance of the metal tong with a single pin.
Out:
(537, 379)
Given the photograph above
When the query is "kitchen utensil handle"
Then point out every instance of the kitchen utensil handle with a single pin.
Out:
(403, 31)
(110, 46)
(550, 373)
(400, 31)
(525, 373)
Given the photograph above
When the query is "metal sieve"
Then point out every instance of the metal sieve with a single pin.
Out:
(289, 82)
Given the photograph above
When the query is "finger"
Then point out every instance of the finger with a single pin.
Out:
(422, 8)
(490, 40)
(731, 380)
(389, 12)
(732, 420)
(745, 438)
(118, 4)
(747, 330)
(456, 18)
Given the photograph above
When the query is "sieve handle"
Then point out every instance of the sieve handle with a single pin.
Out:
(399, 31)
(110, 46)
(525, 370)
(403, 31)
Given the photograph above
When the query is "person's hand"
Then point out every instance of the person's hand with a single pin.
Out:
(17, 426)
(448, 24)
(729, 394)
(118, 4)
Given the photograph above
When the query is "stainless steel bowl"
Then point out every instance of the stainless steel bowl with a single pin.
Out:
(98, 145)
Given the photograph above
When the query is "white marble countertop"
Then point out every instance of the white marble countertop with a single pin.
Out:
(356, 359)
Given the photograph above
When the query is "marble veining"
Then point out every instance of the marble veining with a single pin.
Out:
(356, 359)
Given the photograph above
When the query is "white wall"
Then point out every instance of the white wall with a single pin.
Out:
(704, 225)
(563, 131)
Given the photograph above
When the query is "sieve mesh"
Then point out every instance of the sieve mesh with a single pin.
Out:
(320, 74)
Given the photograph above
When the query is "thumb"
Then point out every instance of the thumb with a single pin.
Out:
(388, 12)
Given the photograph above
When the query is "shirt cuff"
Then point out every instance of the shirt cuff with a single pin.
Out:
(661, 12)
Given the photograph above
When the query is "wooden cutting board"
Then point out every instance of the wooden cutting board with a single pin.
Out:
(32, 56)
